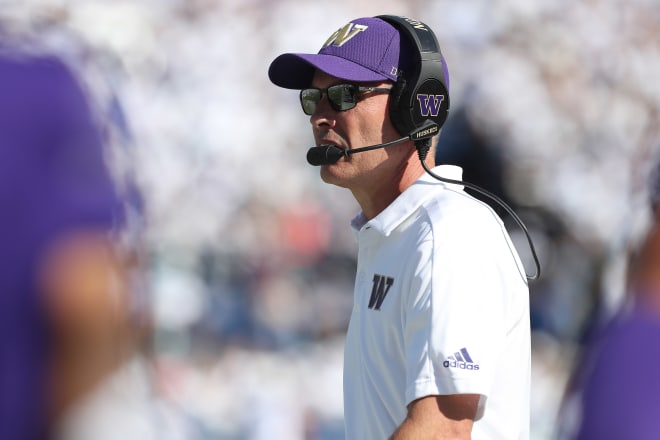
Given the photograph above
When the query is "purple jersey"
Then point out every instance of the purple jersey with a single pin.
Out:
(621, 392)
(53, 180)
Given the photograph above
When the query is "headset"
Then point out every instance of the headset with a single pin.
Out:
(419, 104)
(420, 93)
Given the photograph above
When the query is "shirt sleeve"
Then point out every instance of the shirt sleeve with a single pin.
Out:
(456, 312)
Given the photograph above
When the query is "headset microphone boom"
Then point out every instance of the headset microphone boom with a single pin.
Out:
(329, 154)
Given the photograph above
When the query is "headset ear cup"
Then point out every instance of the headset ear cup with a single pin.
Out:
(430, 101)
(396, 102)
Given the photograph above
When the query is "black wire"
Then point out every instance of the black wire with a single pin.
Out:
(423, 149)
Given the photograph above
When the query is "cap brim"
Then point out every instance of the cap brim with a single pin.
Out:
(296, 70)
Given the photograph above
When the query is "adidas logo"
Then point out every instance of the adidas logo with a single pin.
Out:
(462, 360)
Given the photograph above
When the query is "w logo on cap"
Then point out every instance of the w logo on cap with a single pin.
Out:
(344, 34)
(429, 105)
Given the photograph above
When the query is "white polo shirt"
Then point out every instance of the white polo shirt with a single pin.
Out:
(441, 306)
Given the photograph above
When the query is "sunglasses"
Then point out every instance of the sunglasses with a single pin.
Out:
(342, 97)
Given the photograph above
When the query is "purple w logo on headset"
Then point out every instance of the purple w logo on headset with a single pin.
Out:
(429, 105)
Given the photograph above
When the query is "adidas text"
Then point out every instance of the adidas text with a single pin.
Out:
(461, 365)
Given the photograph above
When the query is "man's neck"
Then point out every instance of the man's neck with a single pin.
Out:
(375, 199)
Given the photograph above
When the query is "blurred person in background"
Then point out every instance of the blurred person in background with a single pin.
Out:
(615, 389)
(63, 290)
(438, 344)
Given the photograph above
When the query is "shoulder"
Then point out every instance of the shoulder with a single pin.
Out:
(466, 231)
(455, 212)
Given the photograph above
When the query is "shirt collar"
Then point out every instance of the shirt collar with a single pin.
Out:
(409, 200)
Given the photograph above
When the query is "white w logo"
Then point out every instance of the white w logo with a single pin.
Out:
(342, 35)
(430, 105)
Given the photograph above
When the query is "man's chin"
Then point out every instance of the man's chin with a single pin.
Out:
(331, 174)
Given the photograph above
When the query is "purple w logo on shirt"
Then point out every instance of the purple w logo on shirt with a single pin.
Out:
(381, 285)
(429, 105)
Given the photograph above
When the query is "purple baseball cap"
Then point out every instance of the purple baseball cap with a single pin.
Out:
(364, 50)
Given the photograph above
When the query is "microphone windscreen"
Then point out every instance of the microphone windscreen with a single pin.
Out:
(324, 155)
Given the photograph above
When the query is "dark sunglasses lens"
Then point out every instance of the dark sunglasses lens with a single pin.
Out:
(342, 96)
(309, 98)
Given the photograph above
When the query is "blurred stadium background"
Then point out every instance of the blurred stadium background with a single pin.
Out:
(248, 259)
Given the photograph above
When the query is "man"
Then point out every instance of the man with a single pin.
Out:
(438, 344)
(617, 377)
(63, 298)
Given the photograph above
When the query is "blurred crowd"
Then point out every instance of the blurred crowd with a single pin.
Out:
(246, 265)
